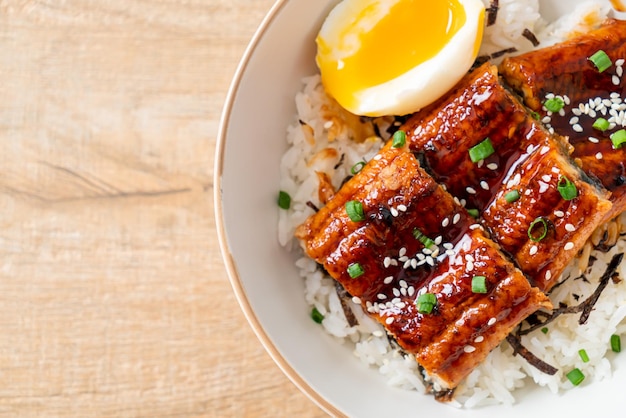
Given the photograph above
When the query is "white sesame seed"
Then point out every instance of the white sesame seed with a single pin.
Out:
(615, 80)
(377, 157)
(569, 246)
(377, 333)
(394, 262)
(402, 252)
(599, 156)
(420, 256)
(562, 112)
(396, 292)
(403, 259)
(450, 253)
(469, 266)
(559, 214)
(555, 170)
(456, 200)
(484, 185)
(492, 166)
(574, 120)
(411, 290)
(400, 305)
(448, 246)
(469, 257)
(543, 187)
(566, 99)
(581, 107)
(402, 208)
(597, 101)
(427, 251)
(546, 177)
(445, 222)
(463, 202)
(381, 296)
(492, 321)
(480, 163)
(548, 275)
(388, 280)
(619, 71)
(356, 300)
(544, 150)
(551, 130)
(456, 219)
(387, 262)
(470, 190)
(550, 96)
(533, 250)
(430, 261)
(592, 113)
(438, 240)
(389, 320)
(414, 263)
(620, 62)
(394, 212)
(479, 339)
(577, 112)
(577, 128)
(546, 119)
(407, 264)
(469, 349)
(403, 291)
(529, 149)
(594, 140)
(570, 228)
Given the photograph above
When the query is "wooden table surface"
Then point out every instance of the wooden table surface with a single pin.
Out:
(112, 289)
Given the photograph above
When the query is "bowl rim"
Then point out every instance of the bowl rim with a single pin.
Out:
(229, 262)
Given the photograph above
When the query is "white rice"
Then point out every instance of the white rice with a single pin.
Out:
(320, 127)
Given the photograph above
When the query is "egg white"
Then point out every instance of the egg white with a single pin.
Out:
(421, 85)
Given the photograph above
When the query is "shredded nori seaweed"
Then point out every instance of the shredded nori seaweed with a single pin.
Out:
(312, 206)
(540, 319)
(492, 12)
(344, 298)
(531, 37)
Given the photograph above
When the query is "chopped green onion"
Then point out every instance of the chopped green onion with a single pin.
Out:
(616, 343)
(355, 270)
(576, 377)
(284, 200)
(473, 213)
(479, 284)
(554, 104)
(583, 356)
(538, 229)
(601, 124)
(618, 138)
(481, 151)
(427, 242)
(357, 167)
(426, 303)
(544, 330)
(354, 209)
(567, 189)
(317, 316)
(399, 139)
(535, 115)
(512, 196)
(601, 60)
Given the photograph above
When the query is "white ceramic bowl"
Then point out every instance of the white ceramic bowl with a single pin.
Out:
(251, 141)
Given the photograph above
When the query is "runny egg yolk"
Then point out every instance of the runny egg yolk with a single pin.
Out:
(383, 40)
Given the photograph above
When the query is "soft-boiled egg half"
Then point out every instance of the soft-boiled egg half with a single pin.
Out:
(393, 57)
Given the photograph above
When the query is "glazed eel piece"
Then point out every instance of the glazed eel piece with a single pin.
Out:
(516, 188)
(565, 70)
(415, 239)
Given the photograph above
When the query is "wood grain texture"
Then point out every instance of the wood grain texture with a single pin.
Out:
(114, 301)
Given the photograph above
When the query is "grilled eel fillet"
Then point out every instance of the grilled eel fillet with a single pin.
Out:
(564, 69)
(527, 159)
(399, 199)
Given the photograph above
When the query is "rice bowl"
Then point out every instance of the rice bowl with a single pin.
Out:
(274, 321)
